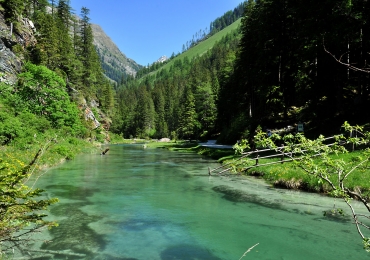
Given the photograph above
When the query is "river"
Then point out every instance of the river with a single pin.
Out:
(136, 203)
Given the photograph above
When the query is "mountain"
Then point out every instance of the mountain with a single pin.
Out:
(114, 62)
(162, 59)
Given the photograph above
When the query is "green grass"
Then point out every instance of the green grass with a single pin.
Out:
(57, 151)
(289, 175)
(172, 145)
(214, 153)
(202, 47)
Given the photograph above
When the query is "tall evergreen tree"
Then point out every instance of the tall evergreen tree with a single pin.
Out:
(13, 10)
(92, 69)
(159, 105)
(188, 123)
(46, 51)
(205, 107)
(145, 114)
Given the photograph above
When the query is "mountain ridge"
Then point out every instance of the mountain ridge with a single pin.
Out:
(114, 62)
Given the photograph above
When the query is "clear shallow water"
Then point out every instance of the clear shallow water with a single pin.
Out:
(139, 203)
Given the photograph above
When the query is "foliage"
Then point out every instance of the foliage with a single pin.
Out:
(188, 123)
(320, 158)
(10, 128)
(225, 20)
(21, 213)
(44, 94)
(13, 10)
(282, 66)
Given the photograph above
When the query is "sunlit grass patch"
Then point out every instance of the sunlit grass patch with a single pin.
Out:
(289, 175)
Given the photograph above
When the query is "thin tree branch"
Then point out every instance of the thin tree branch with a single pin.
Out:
(354, 168)
(355, 219)
(343, 63)
(246, 252)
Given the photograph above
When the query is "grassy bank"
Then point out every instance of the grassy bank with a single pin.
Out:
(55, 151)
(289, 175)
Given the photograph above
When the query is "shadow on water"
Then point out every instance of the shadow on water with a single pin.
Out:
(74, 232)
(187, 252)
(333, 215)
(72, 192)
(235, 195)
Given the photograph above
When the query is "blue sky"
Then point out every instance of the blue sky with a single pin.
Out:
(144, 30)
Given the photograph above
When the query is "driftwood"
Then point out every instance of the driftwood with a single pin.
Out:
(105, 151)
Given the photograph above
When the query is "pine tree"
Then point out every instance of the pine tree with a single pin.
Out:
(205, 107)
(92, 70)
(46, 51)
(145, 114)
(159, 105)
(188, 124)
(66, 56)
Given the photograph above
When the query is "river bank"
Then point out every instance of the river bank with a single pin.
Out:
(287, 175)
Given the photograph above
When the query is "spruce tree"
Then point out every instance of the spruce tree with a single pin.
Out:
(46, 51)
(188, 124)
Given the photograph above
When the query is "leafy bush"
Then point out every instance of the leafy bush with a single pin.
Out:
(44, 94)
(64, 151)
(10, 128)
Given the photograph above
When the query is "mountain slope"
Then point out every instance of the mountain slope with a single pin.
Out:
(114, 62)
(201, 48)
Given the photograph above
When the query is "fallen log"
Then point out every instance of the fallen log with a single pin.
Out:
(105, 151)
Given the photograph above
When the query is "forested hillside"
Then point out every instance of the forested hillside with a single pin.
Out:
(289, 62)
(286, 69)
(52, 43)
(179, 101)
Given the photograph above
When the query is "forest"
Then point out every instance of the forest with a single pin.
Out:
(61, 75)
(289, 62)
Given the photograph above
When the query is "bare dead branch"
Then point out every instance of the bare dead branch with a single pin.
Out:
(354, 68)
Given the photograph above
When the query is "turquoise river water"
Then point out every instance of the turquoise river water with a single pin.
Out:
(136, 203)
